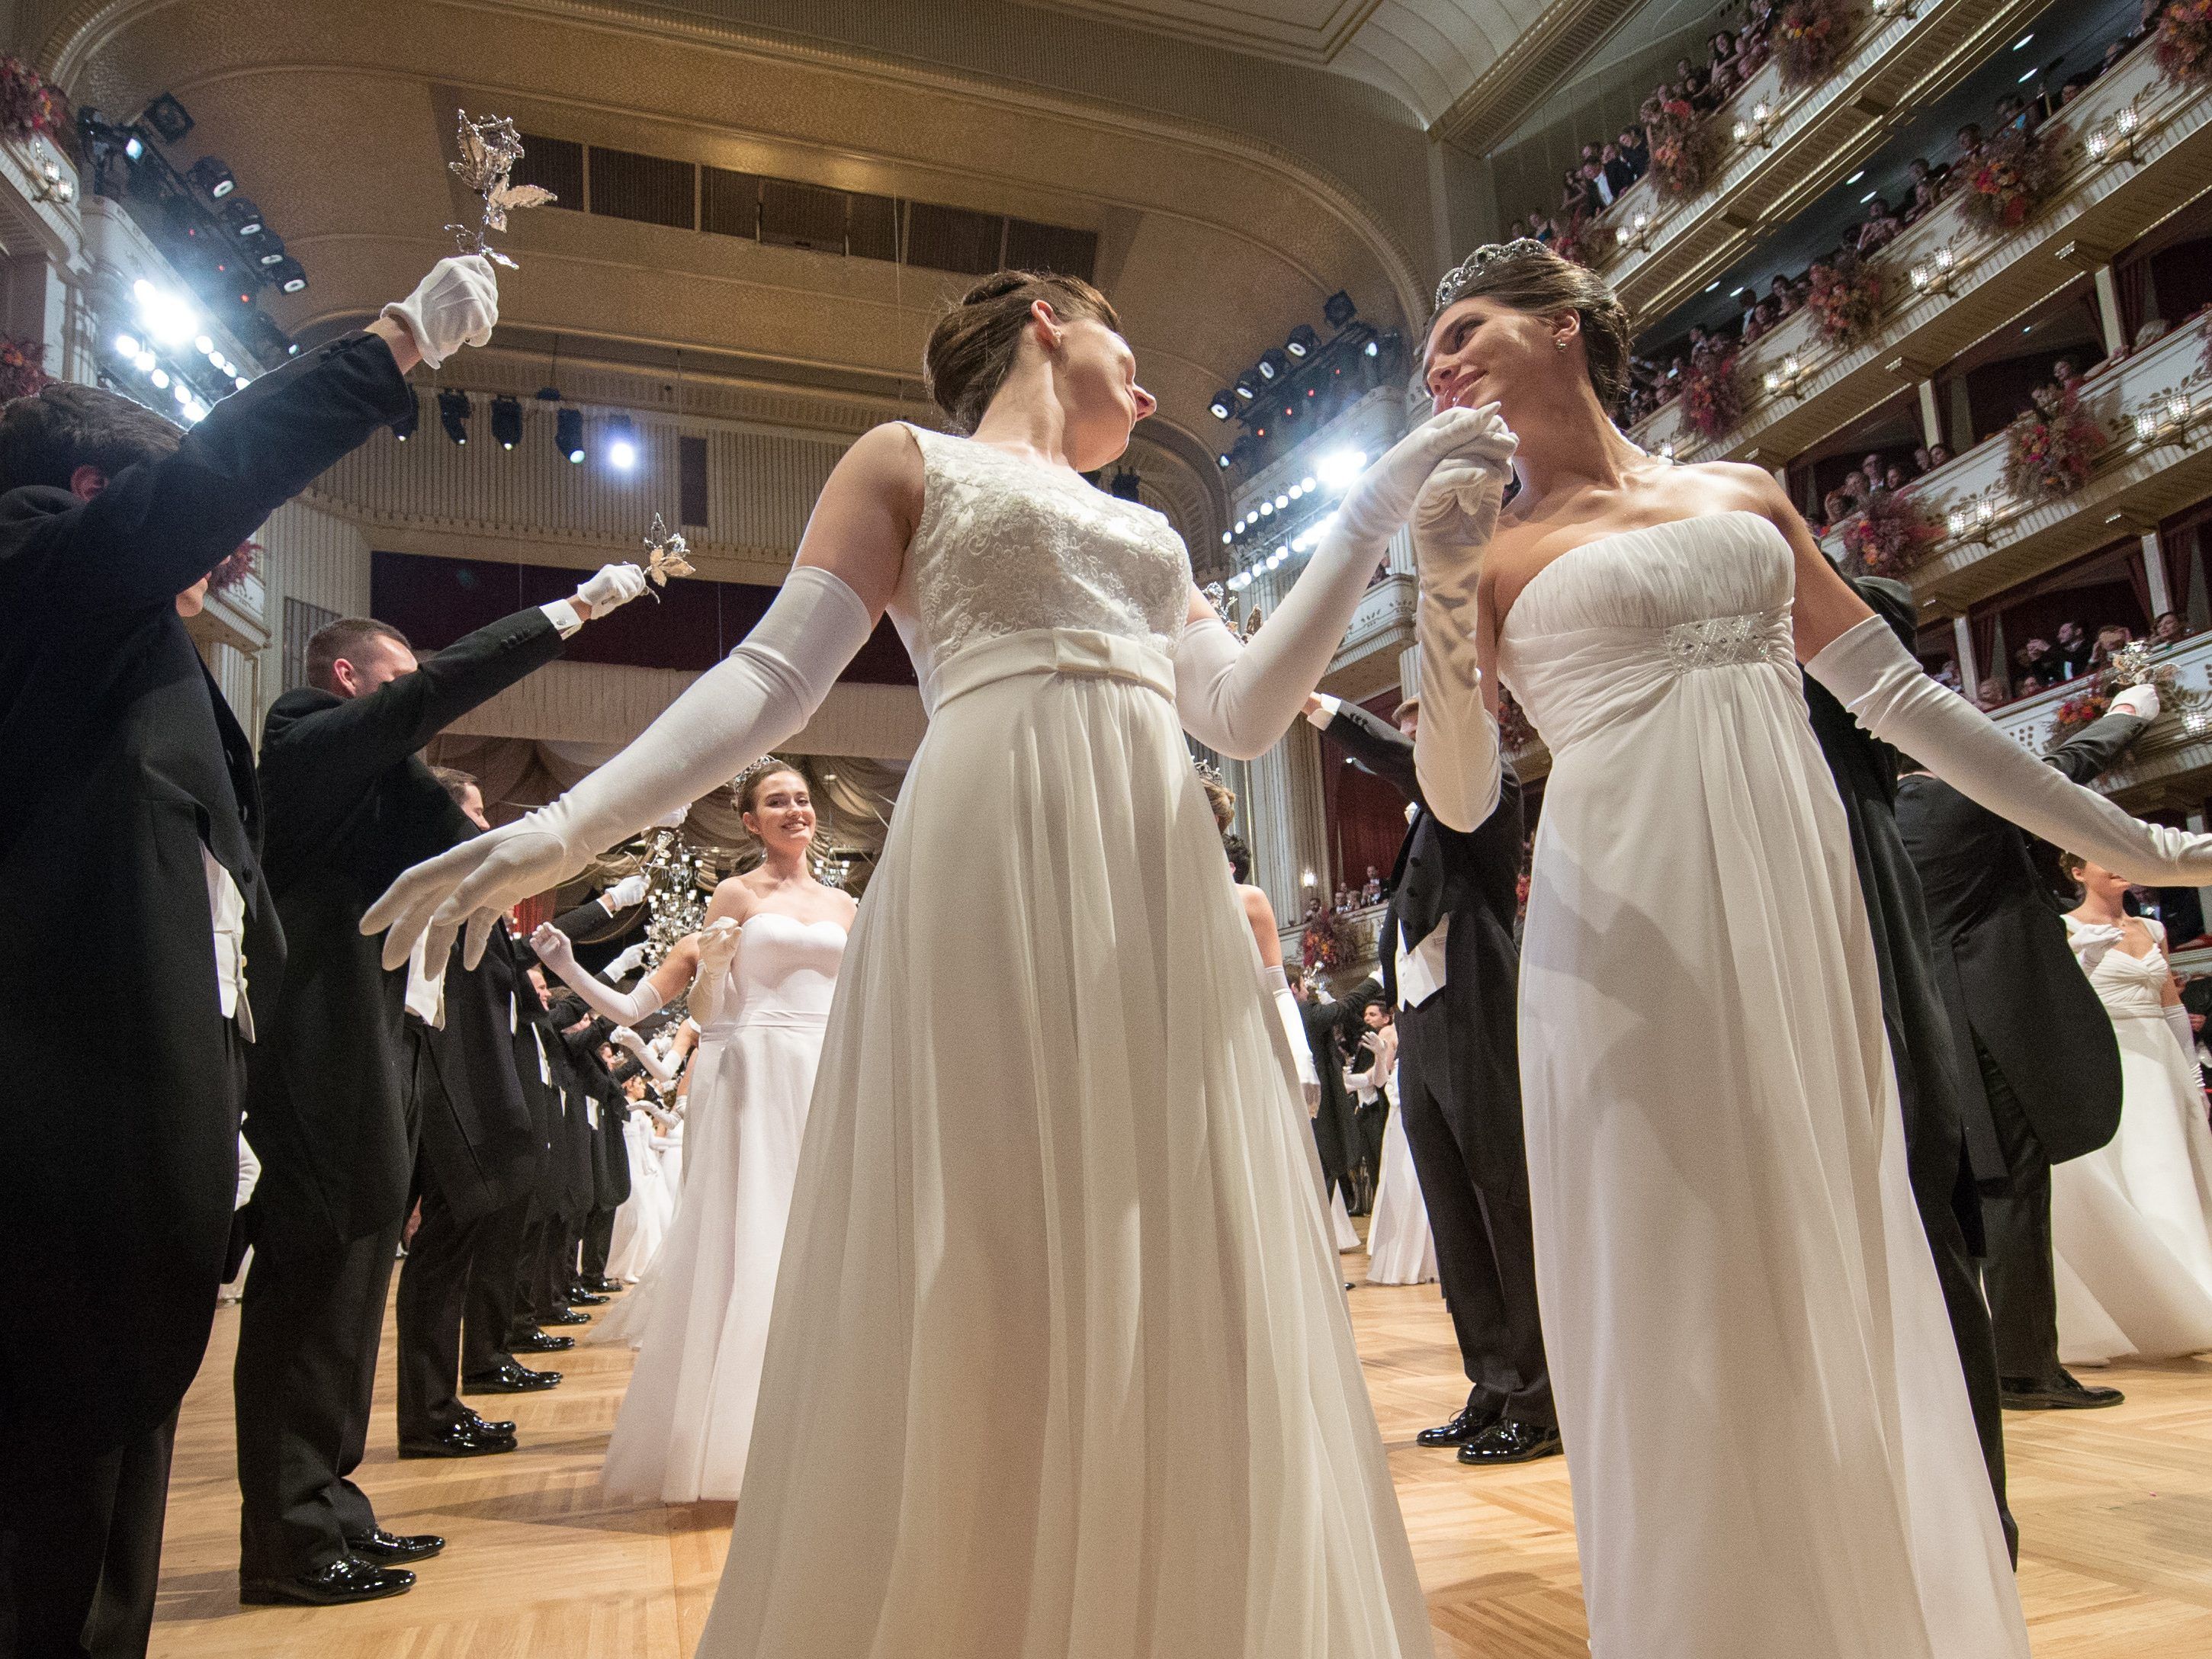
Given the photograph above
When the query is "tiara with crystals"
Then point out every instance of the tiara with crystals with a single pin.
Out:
(1490, 253)
(1208, 773)
(765, 763)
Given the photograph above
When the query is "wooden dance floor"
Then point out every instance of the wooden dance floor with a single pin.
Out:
(2116, 1508)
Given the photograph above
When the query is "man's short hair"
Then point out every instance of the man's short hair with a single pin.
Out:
(1411, 706)
(343, 638)
(456, 782)
(45, 437)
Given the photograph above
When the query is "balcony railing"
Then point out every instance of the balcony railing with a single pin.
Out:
(2096, 208)
(2156, 407)
(2178, 744)
(1362, 930)
(1811, 139)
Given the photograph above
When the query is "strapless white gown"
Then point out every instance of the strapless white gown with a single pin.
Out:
(2131, 1223)
(641, 1222)
(687, 1419)
(1400, 1247)
(1059, 1366)
(1764, 1417)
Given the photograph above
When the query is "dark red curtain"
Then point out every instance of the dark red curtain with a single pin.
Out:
(1365, 817)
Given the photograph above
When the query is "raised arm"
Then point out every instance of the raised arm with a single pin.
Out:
(1380, 749)
(1853, 651)
(1239, 700)
(1457, 756)
(624, 1007)
(764, 691)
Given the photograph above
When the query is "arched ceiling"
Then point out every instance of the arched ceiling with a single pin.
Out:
(1217, 234)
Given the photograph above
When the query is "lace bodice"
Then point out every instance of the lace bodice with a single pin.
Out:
(1606, 632)
(786, 971)
(1007, 546)
(2127, 984)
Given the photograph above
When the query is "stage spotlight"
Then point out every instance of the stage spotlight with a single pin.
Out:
(1337, 310)
(268, 249)
(1222, 461)
(168, 317)
(1247, 387)
(1303, 342)
(405, 427)
(506, 421)
(1274, 364)
(569, 433)
(1224, 404)
(169, 118)
(210, 173)
(622, 445)
(453, 414)
(243, 217)
(288, 276)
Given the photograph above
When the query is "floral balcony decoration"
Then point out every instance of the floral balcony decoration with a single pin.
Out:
(2130, 665)
(2008, 180)
(1574, 241)
(22, 371)
(1712, 391)
(2052, 447)
(1893, 535)
(2082, 709)
(1323, 944)
(1809, 38)
(2183, 45)
(234, 569)
(1684, 147)
(27, 105)
(1846, 302)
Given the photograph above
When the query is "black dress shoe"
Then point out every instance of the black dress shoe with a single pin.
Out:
(454, 1440)
(565, 1316)
(540, 1342)
(2061, 1393)
(1508, 1441)
(348, 1578)
(484, 1425)
(389, 1549)
(1470, 1421)
(580, 1296)
(507, 1378)
(602, 1285)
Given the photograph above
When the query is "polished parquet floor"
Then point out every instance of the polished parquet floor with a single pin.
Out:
(2115, 1507)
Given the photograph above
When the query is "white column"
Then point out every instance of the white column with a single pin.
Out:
(2155, 575)
(2195, 822)
(1970, 671)
(1289, 830)
(2108, 309)
(1931, 418)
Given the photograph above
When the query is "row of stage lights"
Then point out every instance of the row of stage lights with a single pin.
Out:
(456, 409)
(155, 347)
(1301, 378)
(1331, 475)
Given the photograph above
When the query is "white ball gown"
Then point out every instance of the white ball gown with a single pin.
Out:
(2128, 1222)
(1764, 1417)
(1059, 1368)
(1400, 1247)
(642, 1221)
(687, 1419)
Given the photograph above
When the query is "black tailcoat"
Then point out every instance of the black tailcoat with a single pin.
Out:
(1474, 878)
(479, 1135)
(351, 805)
(123, 763)
(2006, 973)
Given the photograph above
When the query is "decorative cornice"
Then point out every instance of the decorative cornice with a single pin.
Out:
(1529, 70)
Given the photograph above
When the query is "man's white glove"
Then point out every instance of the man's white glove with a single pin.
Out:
(2141, 701)
(630, 889)
(456, 304)
(1456, 753)
(1888, 693)
(1238, 700)
(616, 585)
(626, 963)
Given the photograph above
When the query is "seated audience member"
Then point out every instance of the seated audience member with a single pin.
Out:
(1992, 692)
(1619, 175)
(2075, 646)
(2111, 638)
(1880, 228)
(1635, 151)
(2036, 660)
(1783, 296)
(2166, 628)
(1938, 455)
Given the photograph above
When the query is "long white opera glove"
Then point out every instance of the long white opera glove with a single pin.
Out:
(455, 304)
(1455, 751)
(718, 948)
(1888, 693)
(625, 1008)
(1277, 984)
(642, 1051)
(759, 695)
(2177, 1021)
(1239, 700)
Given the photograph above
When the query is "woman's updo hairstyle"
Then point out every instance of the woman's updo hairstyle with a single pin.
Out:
(749, 786)
(1528, 276)
(971, 350)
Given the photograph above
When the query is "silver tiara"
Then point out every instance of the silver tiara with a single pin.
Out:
(1462, 274)
(765, 763)
(1207, 772)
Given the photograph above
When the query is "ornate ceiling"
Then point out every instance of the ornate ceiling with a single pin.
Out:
(1231, 194)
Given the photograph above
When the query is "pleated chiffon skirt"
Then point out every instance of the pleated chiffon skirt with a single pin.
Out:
(1059, 1366)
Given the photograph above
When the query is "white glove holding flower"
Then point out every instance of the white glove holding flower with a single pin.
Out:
(456, 304)
(630, 889)
(613, 587)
